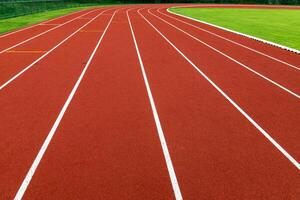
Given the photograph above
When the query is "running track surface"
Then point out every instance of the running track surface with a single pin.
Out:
(133, 102)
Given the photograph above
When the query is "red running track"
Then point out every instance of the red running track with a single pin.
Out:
(132, 102)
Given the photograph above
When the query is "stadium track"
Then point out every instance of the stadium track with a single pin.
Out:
(132, 102)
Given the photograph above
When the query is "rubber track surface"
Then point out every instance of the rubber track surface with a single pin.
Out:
(85, 89)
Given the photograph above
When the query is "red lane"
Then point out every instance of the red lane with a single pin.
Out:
(15, 38)
(283, 74)
(15, 60)
(273, 108)
(31, 103)
(276, 52)
(106, 146)
(217, 153)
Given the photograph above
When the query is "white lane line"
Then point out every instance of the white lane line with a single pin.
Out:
(252, 121)
(47, 31)
(46, 143)
(48, 52)
(236, 43)
(232, 59)
(29, 27)
(238, 33)
(160, 132)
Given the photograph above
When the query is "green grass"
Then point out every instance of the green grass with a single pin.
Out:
(26, 20)
(279, 26)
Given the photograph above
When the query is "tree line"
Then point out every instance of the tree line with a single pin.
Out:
(269, 2)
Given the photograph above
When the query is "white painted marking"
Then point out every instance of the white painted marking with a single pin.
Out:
(46, 143)
(160, 132)
(234, 42)
(239, 5)
(232, 59)
(47, 31)
(48, 52)
(252, 121)
(242, 34)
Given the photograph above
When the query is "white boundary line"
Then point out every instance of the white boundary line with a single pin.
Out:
(229, 40)
(238, 33)
(39, 23)
(162, 139)
(48, 52)
(40, 34)
(46, 143)
(230, 58)
(240, 6)
(252, 121)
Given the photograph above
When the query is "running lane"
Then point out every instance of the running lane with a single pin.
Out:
(106, 146)
(276, 52)
(286, 75)
(273, 108)
(30, 104)
(216, 152)
(13, 38)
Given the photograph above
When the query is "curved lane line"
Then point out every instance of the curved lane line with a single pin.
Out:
(238, 33)
(231, 101)
(232, 59)
(229, 40)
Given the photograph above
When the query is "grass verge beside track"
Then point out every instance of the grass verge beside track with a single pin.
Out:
(276, 25)
(10, 24)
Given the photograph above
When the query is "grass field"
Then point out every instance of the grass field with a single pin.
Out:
(22, 21)
(279, 26)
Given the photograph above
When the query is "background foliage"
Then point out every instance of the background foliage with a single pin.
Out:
(13, 8)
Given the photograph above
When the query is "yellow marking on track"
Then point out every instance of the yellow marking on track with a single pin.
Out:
(91, 31)
(25, 51)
